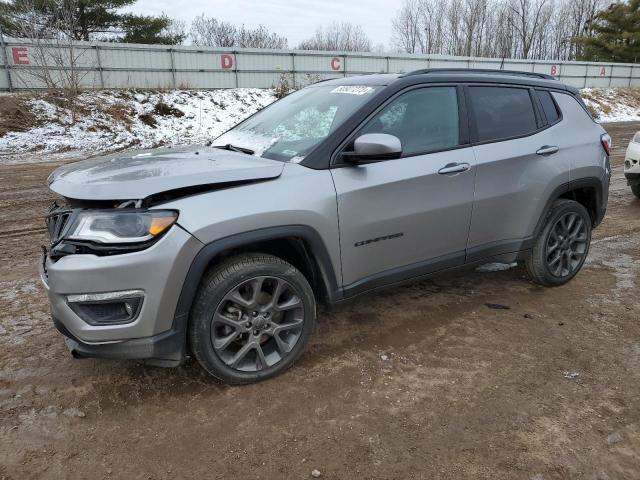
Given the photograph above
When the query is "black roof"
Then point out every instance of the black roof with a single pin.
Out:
(479, 71)
(435, 75)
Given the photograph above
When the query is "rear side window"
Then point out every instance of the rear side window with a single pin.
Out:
(502, 112)
(425, 120)
(549, 106)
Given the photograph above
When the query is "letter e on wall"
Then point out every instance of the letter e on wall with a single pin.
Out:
(20, 55)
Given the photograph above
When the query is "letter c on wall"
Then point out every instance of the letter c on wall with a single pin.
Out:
(336, 64)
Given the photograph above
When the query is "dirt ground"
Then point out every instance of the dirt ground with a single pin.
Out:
(423, 381)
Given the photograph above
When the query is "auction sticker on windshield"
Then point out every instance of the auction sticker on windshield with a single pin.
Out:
(353, 89)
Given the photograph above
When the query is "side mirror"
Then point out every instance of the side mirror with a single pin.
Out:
(372, 147)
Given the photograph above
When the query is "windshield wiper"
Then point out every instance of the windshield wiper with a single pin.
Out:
(233, 148)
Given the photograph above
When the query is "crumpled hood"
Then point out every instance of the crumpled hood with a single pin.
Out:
(139, 174)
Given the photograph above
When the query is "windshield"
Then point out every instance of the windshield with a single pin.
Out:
(289, 129)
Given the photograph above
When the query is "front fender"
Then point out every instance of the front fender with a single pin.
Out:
(212, 250)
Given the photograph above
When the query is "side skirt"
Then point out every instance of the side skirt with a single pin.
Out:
(506, 252)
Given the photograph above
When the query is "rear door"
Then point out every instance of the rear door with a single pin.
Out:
(519, 166)
(403, 217)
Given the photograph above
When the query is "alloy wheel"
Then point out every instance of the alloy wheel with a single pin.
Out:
(567, 244)
(257, 323)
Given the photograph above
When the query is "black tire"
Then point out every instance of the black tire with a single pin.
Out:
(225, 293)
(636, 189)
(542, 265)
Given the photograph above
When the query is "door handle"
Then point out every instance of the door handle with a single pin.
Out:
(547, 150)
(454, 168)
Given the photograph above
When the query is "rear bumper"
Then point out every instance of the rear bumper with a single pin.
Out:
(603, 201)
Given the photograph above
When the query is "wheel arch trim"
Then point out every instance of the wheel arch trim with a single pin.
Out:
(210, 251)
(588, 182)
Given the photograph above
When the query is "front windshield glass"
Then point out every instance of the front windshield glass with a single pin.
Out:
(289, 129)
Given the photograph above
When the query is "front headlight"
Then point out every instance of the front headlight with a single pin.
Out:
(116, 227)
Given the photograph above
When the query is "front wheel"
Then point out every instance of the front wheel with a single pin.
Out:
(252, 318)
(635, 188)
(561, 248)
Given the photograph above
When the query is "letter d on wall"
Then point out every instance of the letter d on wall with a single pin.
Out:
(227, 61)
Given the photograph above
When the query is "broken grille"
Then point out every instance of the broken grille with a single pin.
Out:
(57, 220)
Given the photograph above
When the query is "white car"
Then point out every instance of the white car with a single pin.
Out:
(632, 164)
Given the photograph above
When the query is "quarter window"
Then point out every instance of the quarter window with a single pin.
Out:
(549, 106)
(425, 120)
(502, 112)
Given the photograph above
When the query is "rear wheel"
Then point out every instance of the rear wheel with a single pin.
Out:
(635, 188)
(561, 248)
(252, 318)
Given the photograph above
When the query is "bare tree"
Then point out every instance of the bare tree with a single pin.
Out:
(259, 37)
(176, 29)
(494, 28)
(211, 32)
(59, 64)
(407, 27)
(52, 50)
(473, 20)
(342, 36)
(526, 18)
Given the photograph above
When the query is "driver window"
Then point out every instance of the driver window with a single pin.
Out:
(425, 120)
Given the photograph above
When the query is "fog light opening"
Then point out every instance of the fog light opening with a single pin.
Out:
(111, 308)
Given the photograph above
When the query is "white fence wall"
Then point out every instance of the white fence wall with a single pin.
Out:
(119, 65)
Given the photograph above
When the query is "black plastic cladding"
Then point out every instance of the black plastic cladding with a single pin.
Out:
(319, 158)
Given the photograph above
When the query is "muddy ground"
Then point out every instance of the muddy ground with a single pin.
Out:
(423, 381)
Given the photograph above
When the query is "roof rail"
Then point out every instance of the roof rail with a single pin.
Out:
(480, 70)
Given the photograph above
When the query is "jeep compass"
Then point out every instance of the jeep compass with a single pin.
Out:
(343, 187)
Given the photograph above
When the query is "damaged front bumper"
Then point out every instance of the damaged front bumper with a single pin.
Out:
(158, 273)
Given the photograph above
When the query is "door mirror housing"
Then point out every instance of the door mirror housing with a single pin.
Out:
(373, 147)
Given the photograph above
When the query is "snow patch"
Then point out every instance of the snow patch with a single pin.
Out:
(495, 267)
(613, 104)
(114, 120)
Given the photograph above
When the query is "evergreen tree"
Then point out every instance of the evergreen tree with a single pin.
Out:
(147, 29)
(84, 20)
(616, 34)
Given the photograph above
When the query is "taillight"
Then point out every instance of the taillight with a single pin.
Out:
(605, 139)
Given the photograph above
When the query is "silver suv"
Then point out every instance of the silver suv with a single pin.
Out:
(341, 188)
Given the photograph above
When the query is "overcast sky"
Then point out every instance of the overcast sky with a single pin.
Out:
(295, 19)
